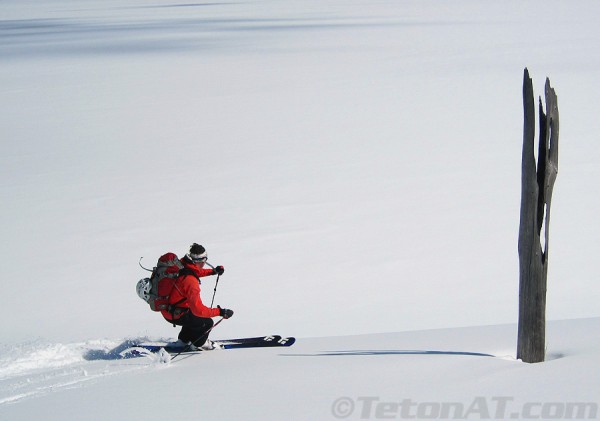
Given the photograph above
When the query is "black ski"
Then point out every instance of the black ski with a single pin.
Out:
(263, 342)
(237, 343)
(257, 339)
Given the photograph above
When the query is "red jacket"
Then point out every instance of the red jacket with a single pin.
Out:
(188, 286)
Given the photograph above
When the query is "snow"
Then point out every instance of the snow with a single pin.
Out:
(354, 165)
(307, 380)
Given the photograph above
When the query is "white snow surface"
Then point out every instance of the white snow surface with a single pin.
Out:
(312, 380)
(354, 165)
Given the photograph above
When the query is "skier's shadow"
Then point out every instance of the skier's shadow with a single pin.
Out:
(389, 352)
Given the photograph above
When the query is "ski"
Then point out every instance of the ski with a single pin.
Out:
(264, 342)
(269, 341)
(142, 350)
(248, 340)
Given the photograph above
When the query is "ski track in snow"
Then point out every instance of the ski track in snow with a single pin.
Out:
(35, 368)
(475, 361)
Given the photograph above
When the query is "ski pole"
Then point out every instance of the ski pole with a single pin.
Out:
(188, 345)
(216, 284)
(215, 291)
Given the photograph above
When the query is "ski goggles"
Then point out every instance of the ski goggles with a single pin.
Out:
(198, 258)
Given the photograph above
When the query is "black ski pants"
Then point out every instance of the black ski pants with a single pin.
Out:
(193, 328)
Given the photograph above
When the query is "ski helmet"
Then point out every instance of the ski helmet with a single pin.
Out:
(143, 289)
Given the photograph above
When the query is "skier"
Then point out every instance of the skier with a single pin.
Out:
(186, 307)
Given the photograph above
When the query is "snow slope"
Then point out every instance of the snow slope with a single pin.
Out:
(355, 166)
(472, 369)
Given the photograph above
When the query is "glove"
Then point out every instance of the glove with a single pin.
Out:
(225, 312)
(219, 270)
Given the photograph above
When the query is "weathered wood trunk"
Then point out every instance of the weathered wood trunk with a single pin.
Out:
(536, 196)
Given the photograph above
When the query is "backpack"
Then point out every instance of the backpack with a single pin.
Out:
(162, 282)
